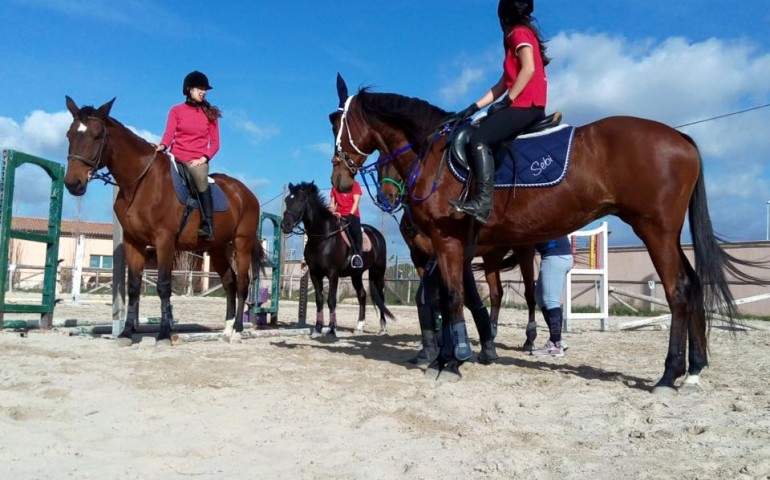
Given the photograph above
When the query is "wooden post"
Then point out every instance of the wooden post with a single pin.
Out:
(118, 274)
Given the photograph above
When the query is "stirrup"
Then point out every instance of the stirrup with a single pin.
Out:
(356, 261)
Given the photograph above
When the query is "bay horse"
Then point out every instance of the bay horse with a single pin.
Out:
(646, 173)
(326, 256)
(150, 214)
(391, 196)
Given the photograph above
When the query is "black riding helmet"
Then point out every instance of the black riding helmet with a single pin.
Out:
(195, 79)
(508, 10)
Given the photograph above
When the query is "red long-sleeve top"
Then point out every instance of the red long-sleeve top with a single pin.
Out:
(189, 133)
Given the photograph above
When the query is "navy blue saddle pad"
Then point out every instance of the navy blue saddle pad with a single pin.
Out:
(533, 160)
(183, 193)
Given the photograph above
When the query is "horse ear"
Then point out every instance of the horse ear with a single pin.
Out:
(105, 109)
(72, 106)
(291, 186)
(342, 90)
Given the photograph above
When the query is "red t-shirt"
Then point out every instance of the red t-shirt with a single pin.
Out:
(344, 201)
(189, 133)
(535, 93)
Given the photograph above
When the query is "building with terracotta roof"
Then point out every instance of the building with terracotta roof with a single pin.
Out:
(25, 258)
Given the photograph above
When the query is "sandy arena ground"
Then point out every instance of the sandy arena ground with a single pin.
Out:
(302, 408)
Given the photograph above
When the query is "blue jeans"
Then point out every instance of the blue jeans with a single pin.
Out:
(550, 282)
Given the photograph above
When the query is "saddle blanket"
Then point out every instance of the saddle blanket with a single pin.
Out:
(533, 160)
(219, 199)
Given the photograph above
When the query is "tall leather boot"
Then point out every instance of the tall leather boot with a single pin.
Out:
(483, 166)
(207, 222)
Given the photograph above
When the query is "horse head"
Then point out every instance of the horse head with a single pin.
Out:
(296, 204)
(354, 139)
(87, 137)
(392, 188)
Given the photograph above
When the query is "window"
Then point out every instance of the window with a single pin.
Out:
(101, 261)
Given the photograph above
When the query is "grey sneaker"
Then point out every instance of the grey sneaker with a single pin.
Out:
(550, 349)
(356, 261)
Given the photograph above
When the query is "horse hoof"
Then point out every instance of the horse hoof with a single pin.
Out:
(316, 334)
(331, 334)
(359, 327)
(664, 391)
(123, 342)
(166, 342)
(358, 331)
(383, 331)
(487, 358)
(528, 346)
(229, 327)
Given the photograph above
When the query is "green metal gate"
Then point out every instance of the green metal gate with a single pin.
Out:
(11, 161)
(275, 264)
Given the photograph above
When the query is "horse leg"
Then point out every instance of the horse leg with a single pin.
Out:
(377, 286)
(318, 286)
(456, 348)
(332, 303)
(698, 357)
(665, 252)
(358, 285)
(165, 252)
(135, 259)
(481, 316)
(526, 259)
(243, 250)
(220, 263)
(427, 301)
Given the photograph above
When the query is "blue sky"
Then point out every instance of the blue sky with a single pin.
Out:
(273, 66)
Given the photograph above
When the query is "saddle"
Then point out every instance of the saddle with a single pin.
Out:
(366, 243)
(461, 136)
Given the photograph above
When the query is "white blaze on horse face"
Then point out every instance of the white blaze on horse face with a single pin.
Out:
(82, 127)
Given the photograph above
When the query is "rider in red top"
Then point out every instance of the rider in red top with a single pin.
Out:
(192, 133)
(524, 84)
(347, 205)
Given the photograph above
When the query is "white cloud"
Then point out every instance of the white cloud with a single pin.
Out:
(459, 88)
(40, 133)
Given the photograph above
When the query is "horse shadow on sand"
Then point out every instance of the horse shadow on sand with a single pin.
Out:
(397, 349)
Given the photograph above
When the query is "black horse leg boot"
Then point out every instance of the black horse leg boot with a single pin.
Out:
(207, 222)
(483, 165)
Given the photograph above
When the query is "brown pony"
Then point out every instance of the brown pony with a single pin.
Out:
(150, 214)
(646, 173)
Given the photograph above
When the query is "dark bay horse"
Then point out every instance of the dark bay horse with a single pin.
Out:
(646, 173)
(150, 214)
(326, 256)
(494, 259)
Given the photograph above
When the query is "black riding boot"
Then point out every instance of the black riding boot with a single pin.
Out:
(483, 167)
(207, 222)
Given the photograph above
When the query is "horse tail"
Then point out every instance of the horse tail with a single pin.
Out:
(258, 258)
(377, 292)
(710, 289)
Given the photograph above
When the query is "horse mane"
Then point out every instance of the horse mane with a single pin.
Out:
(316, 198)
(415, 117)
(89, 111)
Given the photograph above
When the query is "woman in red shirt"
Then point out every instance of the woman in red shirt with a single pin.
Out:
(524, 84)
(347, 205)
(192, 133)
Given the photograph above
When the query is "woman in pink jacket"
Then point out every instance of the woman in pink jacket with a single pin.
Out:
(192, 134)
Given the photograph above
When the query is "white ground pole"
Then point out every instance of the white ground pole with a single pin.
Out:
(662, 318)
(77, 271)
(602, 284)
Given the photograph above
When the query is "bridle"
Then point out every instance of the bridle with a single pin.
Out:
(96, 162)
(341, 156)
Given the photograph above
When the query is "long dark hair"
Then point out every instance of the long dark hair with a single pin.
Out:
(212, 112)
(509, 22)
